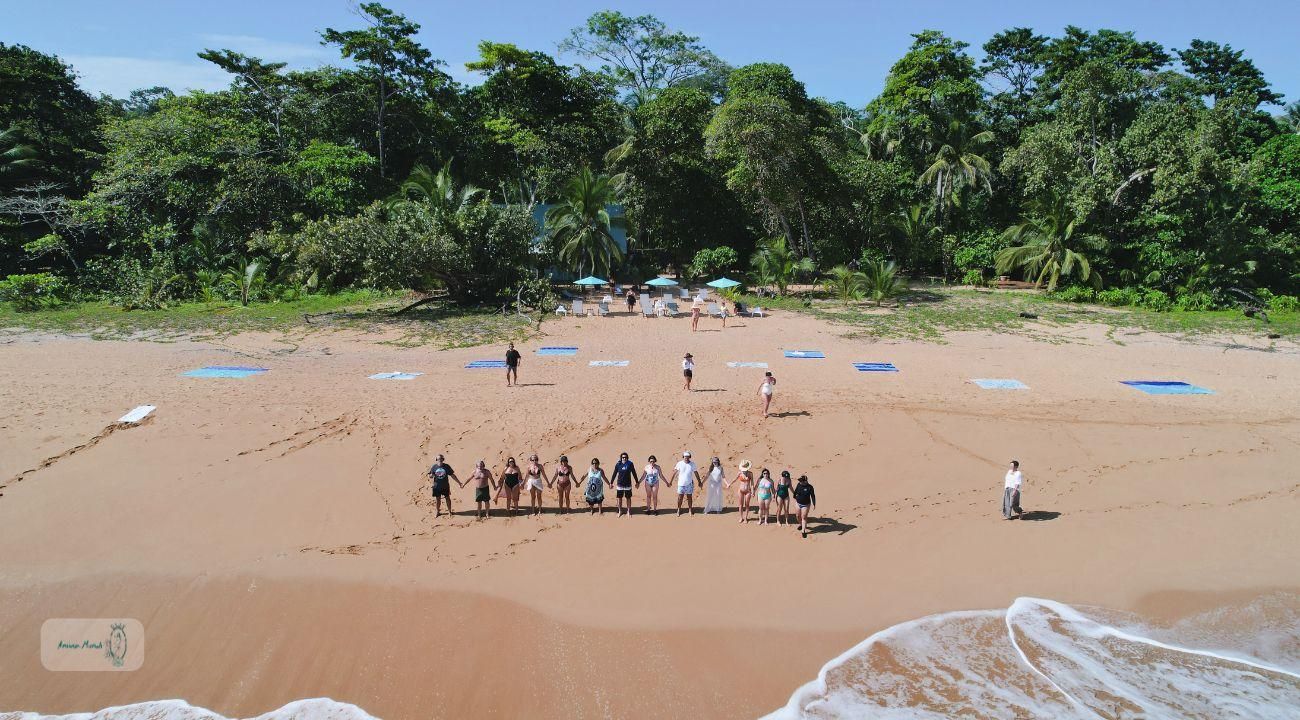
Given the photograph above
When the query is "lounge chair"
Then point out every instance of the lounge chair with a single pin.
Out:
(685, 294)
(647, 309)
(670, 307)
(603, 308)
(561, 310)
(578, 310)
(756, 311)
(714, 310)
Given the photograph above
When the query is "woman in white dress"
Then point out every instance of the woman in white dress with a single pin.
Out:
(713, 498)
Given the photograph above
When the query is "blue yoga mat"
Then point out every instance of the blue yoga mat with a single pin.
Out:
(557, 351)
(1167, 387)
(875, 367)
(395, 376)
(609, 363)
(805, 354)
(484, 364)
(224, 371)
(747, 365)
(1000, 384)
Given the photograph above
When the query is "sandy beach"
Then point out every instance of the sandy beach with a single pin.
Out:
(276, 537)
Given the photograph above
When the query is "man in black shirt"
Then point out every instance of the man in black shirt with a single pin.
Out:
(442, 475)
(804, 497)
(624, 476)
(512, 365)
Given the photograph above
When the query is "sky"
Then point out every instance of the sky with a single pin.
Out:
(841, 49)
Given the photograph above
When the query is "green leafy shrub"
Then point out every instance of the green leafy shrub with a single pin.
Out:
(711, 262)
(1195, 301)
(977, 252)
(147, 285)
(973, 277)
(1076, 293)
(880, 281)
(32, 292)
(1120, 297)
(1153, 299)
(1283, 303)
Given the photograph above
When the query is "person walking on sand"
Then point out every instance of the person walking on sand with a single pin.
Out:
(596, 481)
(713, 497)
(745, 479)
(804, 498)
(631, 300)
(512, 365)
(511, 485)
(766, 390)
(653, 475)
(688, 370)
(442, 474)
(686, 475)
(766, 491)
(484, 484)
(1011, 492)
(783, 487)
(534, 477)
(624, 476)
(563, 479)
(697, 307)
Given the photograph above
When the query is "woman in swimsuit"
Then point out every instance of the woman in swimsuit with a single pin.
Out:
(652, 474)
(713, 485)
(745, 479)
(596, 482)
(766, 390)
(563, 479)
(511, 479)
(783, 487)
(534, 476)
(766, 491)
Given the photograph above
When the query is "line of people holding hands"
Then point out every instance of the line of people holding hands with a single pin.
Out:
(772, 497)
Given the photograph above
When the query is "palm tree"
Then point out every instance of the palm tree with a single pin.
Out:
(579, 225)
(915, 232)
(880, 280)
(775, 264)
(956, 165)
(844, 283)
(436, 190)
(1047, 246)
(1292, 116)
(15, 157)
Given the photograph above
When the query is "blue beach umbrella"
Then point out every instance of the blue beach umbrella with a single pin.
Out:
(661, 282)
(591, 280)
(722, 283)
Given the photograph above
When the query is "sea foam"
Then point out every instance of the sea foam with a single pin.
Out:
(1044, 659)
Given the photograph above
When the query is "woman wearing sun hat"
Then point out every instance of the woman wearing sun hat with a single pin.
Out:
(745, 479)
(688, 370)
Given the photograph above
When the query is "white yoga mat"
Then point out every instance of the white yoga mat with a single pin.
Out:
(137, 414)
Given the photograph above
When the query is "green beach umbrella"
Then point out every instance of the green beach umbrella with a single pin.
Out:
(722, 283)
(661, 282)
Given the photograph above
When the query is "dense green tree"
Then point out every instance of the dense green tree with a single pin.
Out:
(579, 225)
(956, 166)
(643, 56)
(934, 83)
(1048, 248)
(1013, 62)
(40, 99)
(1224, 73)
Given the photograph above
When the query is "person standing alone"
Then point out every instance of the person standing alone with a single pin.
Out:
(512, 365)
(1011, 492)
(688, 370)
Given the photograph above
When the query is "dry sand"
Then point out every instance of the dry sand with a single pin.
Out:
(276, 537)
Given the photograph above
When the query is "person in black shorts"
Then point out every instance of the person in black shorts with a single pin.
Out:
(512, 365)
(624, 476)
(804, 498)
(442, 475)
(484, 483)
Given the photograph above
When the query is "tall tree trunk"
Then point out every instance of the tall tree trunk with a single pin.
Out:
(379, 123)
(807, 240)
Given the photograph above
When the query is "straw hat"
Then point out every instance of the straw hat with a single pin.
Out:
(745, 466)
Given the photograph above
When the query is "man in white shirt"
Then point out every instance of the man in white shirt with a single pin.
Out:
(686, 475)
(1011, 492)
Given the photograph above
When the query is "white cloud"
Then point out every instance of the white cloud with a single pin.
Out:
(118, 76)
(266, 49)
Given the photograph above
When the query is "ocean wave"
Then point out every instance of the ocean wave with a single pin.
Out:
(312, 709)
(1044, 659)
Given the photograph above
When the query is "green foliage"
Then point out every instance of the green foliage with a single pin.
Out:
(1120, 297)
(579, 225)
(146, 285)
(1076, 293)
(642, 56)
(1049, 249)
(845, 284)
(977, 253)
(973, 277)
(713, 262)
(880, 281)
(248, 280)
(1194, 302)
(1284, 304)
(33, 292)
(775, 265)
